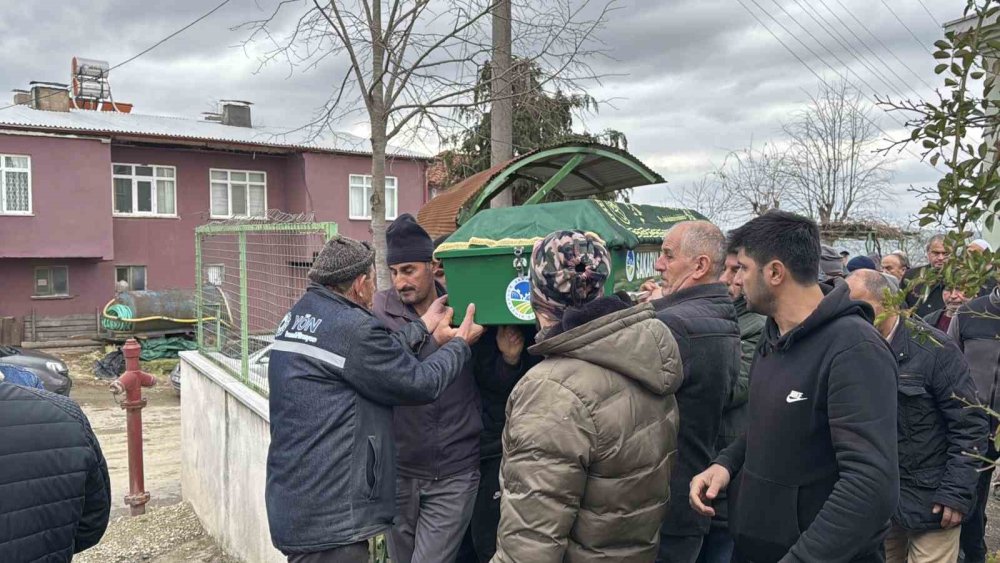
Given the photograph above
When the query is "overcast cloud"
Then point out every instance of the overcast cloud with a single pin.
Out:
(694, 78)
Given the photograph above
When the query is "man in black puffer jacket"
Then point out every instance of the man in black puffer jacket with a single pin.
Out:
(700, 313)
(816, 474)
(937, 434)
(56, 496)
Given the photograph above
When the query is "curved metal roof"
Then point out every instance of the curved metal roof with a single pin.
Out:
(575, 170)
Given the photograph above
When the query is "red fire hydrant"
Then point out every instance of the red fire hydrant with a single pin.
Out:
(131, 383)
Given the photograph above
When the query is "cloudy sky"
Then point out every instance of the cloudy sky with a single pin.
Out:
(694, 79)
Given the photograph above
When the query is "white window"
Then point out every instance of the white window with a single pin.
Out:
(15, 184)
(134, 276)
(144, 189)
(360, 198)
(51, 280)
(215, 273)
(238, 193)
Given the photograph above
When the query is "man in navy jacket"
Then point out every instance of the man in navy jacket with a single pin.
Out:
(335, 374)
(816, 474)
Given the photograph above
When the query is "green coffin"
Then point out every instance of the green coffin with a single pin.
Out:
(486, 260)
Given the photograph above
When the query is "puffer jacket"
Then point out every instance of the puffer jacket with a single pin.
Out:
(54, 486)
(590, 439)
(975, 329)
(936, 432)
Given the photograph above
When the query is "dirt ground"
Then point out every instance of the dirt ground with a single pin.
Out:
(169, 532)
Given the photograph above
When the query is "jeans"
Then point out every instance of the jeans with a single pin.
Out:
(353, 553)
(717, 547)
(679, 549)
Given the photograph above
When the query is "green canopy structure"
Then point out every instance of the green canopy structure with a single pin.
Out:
(621, 225)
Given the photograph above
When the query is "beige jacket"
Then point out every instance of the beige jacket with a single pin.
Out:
(590, 439)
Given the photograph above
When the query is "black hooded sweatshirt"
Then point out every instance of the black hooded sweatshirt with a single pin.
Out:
(816, 474)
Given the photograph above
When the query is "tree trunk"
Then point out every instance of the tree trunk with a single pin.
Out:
(378, 117)
(502, 107)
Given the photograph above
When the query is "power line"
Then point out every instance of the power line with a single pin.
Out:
(847, 68)
(828, 65)
(866, 46)
(155, 45)
(914, 35)
(840, 40)
(813, 71)
(935, 20)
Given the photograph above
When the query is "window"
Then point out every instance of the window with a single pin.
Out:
(238, 193)
(51, 281)
(215, 273)
(142, 189)
(134, 276)
(361, 192)
(15, 184)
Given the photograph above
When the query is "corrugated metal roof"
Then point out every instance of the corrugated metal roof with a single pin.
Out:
(180, 128)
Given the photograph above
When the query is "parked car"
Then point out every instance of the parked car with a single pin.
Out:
(48, 368)
(257, 361)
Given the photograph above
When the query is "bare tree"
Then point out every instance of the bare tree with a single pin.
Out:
(709, 197)
(835, 173)
(756, 180)
(411, 63)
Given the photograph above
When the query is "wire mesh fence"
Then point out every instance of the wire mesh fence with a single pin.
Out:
(249, 274)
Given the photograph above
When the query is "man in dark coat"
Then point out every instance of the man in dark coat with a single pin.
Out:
(975, 329)
(54, 486)
(700, 313)
(816, 473)
(438, 443)
(937, 255)
(335, 374)
(937, 433)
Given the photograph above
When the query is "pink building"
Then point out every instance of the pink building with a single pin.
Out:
(90, 198)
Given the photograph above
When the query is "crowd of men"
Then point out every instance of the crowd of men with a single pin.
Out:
(764, 400)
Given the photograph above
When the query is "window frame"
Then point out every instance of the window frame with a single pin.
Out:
(366, 195)
(135, 190)
(3, 181)
(229, 192)
(50, 284)
(145, 276)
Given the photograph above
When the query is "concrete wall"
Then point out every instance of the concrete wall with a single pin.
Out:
(225, 433)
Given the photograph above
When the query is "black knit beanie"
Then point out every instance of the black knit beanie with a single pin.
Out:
(407, 241)
(341, 260)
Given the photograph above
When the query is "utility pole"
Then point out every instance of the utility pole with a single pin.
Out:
(502, 107)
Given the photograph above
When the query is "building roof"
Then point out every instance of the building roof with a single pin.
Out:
(179, 129)
(591, 169)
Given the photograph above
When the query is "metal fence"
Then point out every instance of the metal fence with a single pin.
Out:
(249, 274)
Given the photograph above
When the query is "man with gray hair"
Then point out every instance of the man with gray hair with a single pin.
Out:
(697, 309)
(927, 300)
(937, 485)
(896, 263)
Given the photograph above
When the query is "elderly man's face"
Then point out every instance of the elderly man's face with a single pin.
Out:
(675, 267)
(953, 299)
(937, 254)
(893, 266)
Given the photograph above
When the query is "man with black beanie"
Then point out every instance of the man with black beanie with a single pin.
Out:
(438, 443)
